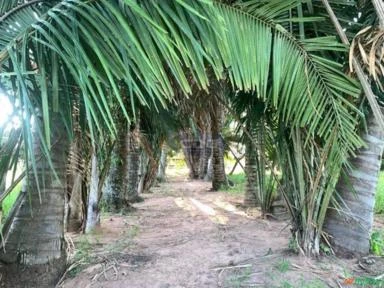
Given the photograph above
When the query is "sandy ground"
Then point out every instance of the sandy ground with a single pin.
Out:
(182, 235)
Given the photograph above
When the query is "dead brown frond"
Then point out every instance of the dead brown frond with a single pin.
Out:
(368, 47)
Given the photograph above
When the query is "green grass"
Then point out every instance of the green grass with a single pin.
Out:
(239, 278)
(8, 202)
(377, 243)
(238, 181)
(379, 206)
(283, 265)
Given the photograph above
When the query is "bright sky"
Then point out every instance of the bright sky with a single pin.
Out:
(5, 110)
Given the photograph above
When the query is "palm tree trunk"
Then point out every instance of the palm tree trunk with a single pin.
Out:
(150, 176)
(132, 192)
(350, 231)
(75, 185)
(161, 177)
(153, 153)
(34, 244)
(75, 208)
(142, 171)
(205, 153)
(119, 168)
(75, 205)
(93, 215)
(251, 172)
(191, 150)
(219, 177)
(100, 166)
(208, 177)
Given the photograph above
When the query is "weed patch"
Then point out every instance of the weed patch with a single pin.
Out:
(379, 205)
(377, 243)
(283, 265)
(238, 181)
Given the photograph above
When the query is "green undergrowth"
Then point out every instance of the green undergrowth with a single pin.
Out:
(9, 201)
(377, 243)
(237, 183)
(379, 205)
(283, 265)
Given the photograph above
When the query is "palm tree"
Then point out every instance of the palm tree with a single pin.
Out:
(155, 127)
(57, 46)
(257, 131)
(134, 152)
(191, 146)
(100, 161)
(251, 197)
(36, 233)
(350, 228)
(349, 222)
(195, 134)
(201, 135)
(310, 168)
(216, 113)
(104, 48)
(76, 176)
(117, 198)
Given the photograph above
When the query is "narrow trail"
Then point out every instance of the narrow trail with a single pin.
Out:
(183, 235)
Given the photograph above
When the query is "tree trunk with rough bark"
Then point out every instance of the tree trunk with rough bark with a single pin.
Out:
(100, 166)
(123, 176)
(251, 188)
(191, 150)
(161, 176)
(34, 251)
(75, 205)
(150, 176)
(205, 153)
(142, 171)
(75, 185)
(153, 152)
(93, 213)
(119, 169)
(219, 177)
(133, 159)
(208, 177)
(350, 231)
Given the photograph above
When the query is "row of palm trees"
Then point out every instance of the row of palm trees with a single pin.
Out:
(91, 79)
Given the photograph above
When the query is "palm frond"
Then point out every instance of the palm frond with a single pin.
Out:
(367, 46)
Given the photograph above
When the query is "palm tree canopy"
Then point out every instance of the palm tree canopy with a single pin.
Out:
(106, 51)
(104, 42)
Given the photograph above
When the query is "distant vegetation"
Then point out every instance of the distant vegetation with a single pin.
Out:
(8, 202)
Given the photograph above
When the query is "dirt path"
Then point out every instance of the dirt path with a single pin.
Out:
(182, 235)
